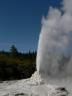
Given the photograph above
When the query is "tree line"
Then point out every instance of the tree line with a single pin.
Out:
(16, 65)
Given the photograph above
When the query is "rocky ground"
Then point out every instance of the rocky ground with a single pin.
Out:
(35, 86)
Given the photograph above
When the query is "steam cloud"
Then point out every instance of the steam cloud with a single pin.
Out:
(56, 40)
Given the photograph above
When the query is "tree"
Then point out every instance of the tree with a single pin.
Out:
(13, 51)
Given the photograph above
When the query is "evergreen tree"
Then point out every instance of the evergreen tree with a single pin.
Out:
(13, 51)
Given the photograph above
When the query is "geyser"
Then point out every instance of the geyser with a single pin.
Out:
(54, 55)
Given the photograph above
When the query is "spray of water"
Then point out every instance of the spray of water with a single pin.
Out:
(55, 42)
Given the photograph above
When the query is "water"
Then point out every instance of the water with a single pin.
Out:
(54, 55)
(54, 59)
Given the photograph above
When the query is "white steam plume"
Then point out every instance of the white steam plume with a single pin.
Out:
(56, 39)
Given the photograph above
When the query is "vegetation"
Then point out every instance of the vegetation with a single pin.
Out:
(15, 65)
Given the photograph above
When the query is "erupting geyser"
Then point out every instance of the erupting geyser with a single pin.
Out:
(54, 55)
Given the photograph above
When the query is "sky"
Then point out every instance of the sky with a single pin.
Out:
(20, 22)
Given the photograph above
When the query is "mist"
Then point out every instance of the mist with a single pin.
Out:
(54, 54)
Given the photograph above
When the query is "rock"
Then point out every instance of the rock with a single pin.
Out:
(61, 91)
